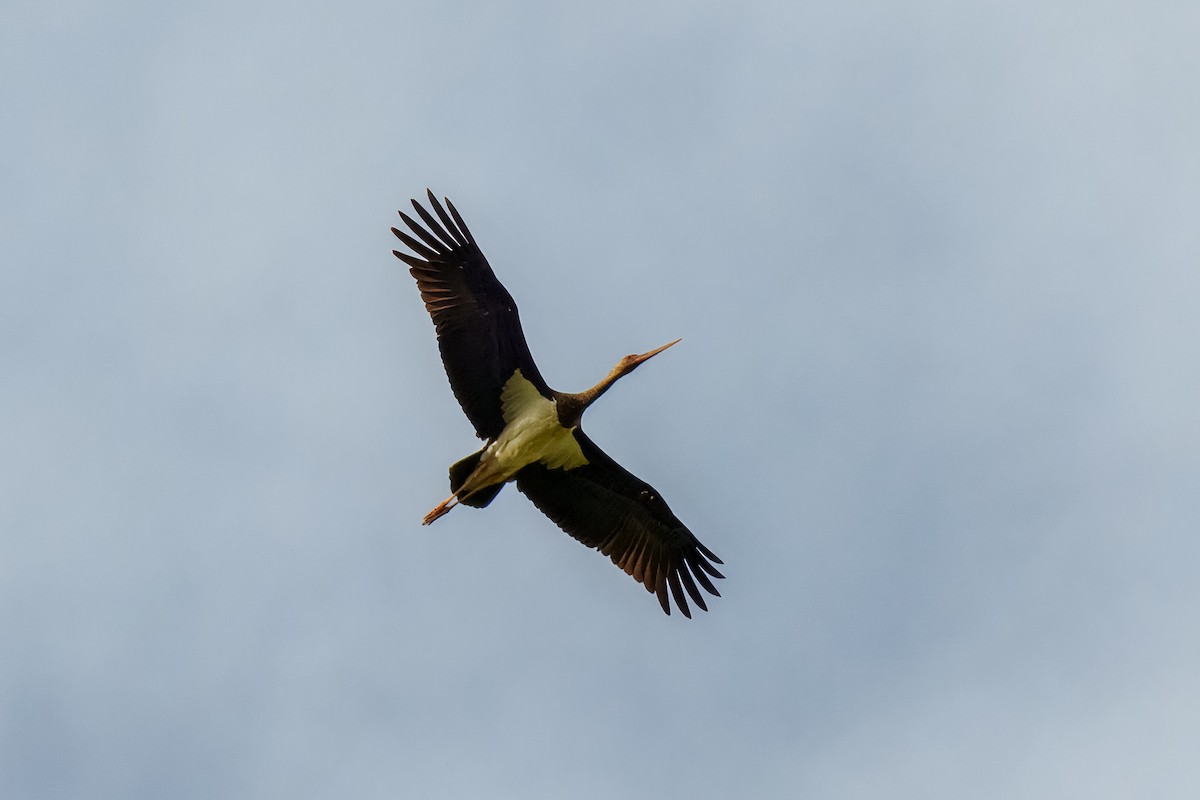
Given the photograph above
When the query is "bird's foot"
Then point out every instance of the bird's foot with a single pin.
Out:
(442, 509)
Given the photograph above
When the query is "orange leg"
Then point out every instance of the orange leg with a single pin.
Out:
(442, 509)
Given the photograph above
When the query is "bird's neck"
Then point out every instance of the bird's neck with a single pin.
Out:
(572, 406)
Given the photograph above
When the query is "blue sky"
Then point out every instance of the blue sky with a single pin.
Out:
(935, 267)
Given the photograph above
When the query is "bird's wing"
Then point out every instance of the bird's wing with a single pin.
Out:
(606, 507)
(478, 330)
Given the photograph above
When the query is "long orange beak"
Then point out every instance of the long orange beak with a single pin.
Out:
(654, 352)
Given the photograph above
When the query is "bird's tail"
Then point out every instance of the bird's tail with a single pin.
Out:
(461, 471)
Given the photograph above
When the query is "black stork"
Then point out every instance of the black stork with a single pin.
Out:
(532, 432)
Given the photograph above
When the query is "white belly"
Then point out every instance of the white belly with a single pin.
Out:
(532, 432)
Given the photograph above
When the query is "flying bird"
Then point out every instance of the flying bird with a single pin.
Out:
(532, 432)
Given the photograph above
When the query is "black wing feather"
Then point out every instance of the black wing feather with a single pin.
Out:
(478, 328)
(606, 507)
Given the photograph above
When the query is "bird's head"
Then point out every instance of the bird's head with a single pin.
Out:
(631, 362)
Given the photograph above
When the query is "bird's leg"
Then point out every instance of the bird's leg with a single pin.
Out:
(442, 509)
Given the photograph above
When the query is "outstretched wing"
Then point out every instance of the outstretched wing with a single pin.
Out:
(478, 329)
(606, 507)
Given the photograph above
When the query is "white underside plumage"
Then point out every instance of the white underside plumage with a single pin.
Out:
(532, 432)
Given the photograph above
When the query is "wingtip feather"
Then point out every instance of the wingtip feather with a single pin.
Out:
(677, 593)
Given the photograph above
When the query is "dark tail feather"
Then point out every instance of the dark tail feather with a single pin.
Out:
(481, 498)
(462, 470)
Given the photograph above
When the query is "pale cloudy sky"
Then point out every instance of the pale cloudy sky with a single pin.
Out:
(936, 270)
